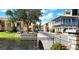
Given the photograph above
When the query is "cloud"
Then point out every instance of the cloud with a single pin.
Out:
(59, 14)
(48, 16)
(3, 10)
(42, 18)
(43, 11)
(52, 10)
(44, 22)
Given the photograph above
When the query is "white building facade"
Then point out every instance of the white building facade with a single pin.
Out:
(65, 22)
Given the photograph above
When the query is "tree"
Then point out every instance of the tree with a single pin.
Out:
(9, 13)
(58, 46)
(10, 16)
(26, 15)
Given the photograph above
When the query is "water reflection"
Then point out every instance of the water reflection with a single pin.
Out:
(17, 44)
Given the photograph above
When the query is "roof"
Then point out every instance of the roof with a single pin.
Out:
(3, 19)
(62, 17)
(65, 16)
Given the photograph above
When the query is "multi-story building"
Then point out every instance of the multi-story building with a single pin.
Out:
(69, 20)
(65, 22)
(7, 25)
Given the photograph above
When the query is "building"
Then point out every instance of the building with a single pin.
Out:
(7, 25)
(50, 26)
(65, 22)
(45, 27)
(4, 24)
(69, 20)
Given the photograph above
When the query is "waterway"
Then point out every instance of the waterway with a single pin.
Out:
(17, 44)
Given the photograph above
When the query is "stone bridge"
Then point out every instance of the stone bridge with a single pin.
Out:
(41, 40)
(44, 41)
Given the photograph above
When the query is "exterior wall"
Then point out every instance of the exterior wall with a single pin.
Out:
(65, 23)
(21, 27)
(3, 25)
(57, 22)
(45, 28)
(50, 26)
(71, 38)
(8, 25)
(70, 21)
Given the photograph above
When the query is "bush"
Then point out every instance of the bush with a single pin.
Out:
(58, 46)
(14, 29)
(52, 30)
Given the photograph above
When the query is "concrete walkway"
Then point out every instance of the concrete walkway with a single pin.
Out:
(46, 39)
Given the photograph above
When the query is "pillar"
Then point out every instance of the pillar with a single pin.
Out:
(74, 39)
(6, 25)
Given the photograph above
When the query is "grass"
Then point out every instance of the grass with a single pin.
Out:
(8, 35)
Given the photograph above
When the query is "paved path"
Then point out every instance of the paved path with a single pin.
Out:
(46, 39)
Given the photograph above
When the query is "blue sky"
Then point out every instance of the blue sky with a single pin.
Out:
(2, 12)
(48, 14)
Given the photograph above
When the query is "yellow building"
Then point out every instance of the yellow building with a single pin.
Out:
(7, 25)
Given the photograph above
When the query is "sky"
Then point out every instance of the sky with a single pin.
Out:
(2, 12)
(47, 14)
(50, 14)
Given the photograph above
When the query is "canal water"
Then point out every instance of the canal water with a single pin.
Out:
(17, 44)
(27, 41)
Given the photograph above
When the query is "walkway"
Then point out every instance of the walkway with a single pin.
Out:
(46, 39)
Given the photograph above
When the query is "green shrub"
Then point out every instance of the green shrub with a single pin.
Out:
(58, 46)
(52, 30)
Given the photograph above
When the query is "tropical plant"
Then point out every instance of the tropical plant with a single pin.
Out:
(58, 46)
(10, 16)
(26, 15)
(9, 13)
(52, 30)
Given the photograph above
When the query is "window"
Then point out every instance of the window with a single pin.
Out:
(74, 12)
(63, 20)
(69, 20)
(73, 20)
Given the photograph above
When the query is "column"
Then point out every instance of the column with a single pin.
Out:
(6, 25)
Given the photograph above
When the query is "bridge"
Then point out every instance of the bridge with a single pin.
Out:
(43, 40)
(46, 40)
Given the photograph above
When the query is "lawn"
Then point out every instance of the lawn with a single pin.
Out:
(8, 35)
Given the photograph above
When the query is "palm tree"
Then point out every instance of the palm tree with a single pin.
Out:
(9, 13)
(10, 16)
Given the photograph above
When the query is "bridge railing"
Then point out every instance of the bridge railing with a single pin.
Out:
(63, 39)
(29, 36)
